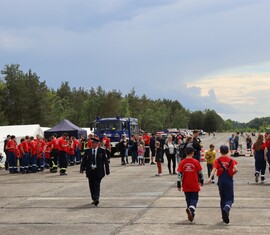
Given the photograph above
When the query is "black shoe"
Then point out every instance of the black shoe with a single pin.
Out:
(63, 173)
(93, 202)
(225, 216)
(152, 163)
(96, 202)
(190, 215)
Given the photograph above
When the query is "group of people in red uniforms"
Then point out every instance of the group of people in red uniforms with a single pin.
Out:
(35, 154)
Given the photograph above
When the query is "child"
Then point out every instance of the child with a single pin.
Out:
(210, 157)
(191, 176)
(225, 167)
(159, 158)
(140, 154)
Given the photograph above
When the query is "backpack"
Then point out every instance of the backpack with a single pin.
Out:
(182, 150)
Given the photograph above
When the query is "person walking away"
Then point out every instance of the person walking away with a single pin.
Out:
(197, 145)
(190, 178)
(170, 151)
(153, 148)
(225, 168)
(260, 161)
(95, 163)
(210, 157)
(159, 158)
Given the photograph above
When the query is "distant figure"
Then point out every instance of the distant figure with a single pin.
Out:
(248, 142)
(231, 142)
(197, 145)
(260, 163)
(170, 151)
(210, 157)
(159, 158)
(236, 142)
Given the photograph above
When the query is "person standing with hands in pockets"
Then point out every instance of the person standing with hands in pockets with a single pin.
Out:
(190, 178)
(225, 167)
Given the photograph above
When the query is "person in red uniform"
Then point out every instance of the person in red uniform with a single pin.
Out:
(40, 156)
(54, 156)
(146, 139)
(25, 152)
(11, 151)
(77, 153)
(21, 156)
(33, 149)
(190, 177)
(71, 152)
(47, 151)
(106, 143)
(225, 167)
(62, 147)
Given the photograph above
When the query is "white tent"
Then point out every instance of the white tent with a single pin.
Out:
(19, 131)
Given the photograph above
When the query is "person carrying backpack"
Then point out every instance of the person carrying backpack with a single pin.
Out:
(225, 167)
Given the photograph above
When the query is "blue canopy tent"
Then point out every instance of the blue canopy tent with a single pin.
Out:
(65, 126)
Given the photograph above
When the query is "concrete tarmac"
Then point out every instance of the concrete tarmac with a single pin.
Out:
(133, 201)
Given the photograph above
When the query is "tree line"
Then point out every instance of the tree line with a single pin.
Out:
(24, 99)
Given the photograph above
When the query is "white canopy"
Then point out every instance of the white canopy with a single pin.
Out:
(19, 131)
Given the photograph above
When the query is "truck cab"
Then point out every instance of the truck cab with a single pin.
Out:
(114, 129)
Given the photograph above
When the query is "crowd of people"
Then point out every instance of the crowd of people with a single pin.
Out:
(183, 159)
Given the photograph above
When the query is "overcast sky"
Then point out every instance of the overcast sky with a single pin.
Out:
(208, 54)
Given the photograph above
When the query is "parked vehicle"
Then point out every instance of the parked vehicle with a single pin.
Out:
(115, 128)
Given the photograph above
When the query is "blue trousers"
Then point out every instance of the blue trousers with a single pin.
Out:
(226, 193)
(192, 199)
(12, 162)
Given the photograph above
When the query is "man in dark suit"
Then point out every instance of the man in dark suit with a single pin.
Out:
(95, 163)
